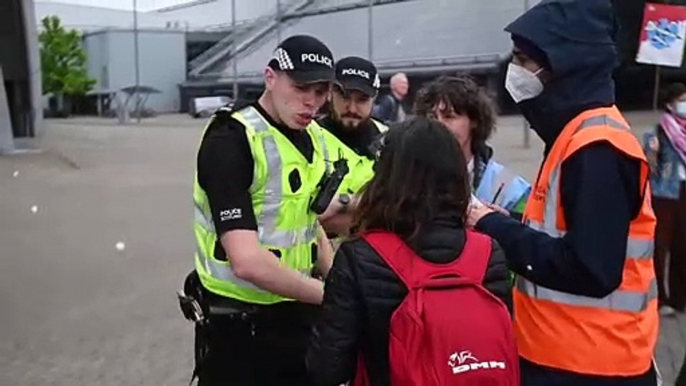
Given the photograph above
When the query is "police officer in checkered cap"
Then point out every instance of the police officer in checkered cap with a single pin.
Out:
(350, 129)
(257, 240)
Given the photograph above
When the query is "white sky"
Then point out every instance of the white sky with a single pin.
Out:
(143, 5)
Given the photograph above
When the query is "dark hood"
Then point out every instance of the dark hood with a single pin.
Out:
(578, 38)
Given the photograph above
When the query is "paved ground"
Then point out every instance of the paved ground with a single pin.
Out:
(75, 311)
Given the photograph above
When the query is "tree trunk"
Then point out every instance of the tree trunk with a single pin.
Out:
(67, 106)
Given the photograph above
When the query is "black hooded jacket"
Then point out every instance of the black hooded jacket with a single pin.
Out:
(600, 186)
(362, 292)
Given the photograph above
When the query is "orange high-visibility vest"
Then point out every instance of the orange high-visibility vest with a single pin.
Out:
(610, 336)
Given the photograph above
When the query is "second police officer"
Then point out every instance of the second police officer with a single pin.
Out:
(352, 134)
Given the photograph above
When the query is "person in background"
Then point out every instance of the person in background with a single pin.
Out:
(422, 197)
(350, 132)
(390, 108)
(465, 109)
(257, 241)
(585, 297)
(666, 151)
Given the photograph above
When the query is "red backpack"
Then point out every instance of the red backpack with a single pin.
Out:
(449, 330)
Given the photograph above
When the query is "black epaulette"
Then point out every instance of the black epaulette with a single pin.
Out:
(223, 114)
(222, 118)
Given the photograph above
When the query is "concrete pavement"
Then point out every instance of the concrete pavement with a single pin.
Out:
(75, 310)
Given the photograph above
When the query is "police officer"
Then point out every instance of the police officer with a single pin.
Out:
(351, 133)
(258, 169)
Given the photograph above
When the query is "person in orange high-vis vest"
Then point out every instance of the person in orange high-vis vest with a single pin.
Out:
(585, 299)
(625, 320)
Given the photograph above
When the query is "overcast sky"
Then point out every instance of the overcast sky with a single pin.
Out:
(143, 5)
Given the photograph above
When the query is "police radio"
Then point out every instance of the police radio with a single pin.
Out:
(329, 186)
(376, 146)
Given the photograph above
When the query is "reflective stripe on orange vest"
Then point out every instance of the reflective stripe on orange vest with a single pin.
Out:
(610, 336)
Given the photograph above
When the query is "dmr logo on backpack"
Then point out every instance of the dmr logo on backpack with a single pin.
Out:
(464, 361)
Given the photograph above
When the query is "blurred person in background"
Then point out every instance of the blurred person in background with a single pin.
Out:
(465, 109)
(390, 108)
(350, 132)
(586, 295)
(421, 197)
(666, 151)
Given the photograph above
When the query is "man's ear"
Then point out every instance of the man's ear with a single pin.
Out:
(269, 78)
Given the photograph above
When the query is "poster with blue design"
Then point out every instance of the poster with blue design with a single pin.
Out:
(662, 35)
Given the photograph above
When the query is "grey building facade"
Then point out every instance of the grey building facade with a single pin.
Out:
(161, 60)
(20, 94)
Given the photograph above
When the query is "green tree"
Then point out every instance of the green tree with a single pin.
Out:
(63, 60)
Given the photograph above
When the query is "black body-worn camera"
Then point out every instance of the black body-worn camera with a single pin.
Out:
(329, 186)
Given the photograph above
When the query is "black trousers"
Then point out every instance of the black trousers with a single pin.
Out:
(266, 348)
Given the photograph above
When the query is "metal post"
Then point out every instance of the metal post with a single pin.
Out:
(234, 59)
(370, 32)
(656, 90)
(278, 21)
(525, 124)
(135, 55)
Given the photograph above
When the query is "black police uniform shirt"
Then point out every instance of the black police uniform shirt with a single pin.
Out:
(358, 140)
(226, 165)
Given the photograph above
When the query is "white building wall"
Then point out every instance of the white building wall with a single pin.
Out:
(162, 63)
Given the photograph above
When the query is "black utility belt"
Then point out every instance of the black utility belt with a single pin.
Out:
(227, 306)
(219, 305)
(198, 304)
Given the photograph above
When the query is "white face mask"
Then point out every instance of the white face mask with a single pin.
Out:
(522, 84)
(680, 109)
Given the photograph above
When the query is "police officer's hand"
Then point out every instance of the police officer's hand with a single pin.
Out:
(498, 209)
(338, 217)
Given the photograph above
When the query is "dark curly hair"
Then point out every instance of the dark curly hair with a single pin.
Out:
(421, 172)
(463, 96)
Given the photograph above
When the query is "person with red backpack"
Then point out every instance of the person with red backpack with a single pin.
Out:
(413, 298)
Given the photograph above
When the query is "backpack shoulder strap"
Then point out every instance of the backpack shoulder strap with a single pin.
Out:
(472, 263)
(395, 253)
(475, 256)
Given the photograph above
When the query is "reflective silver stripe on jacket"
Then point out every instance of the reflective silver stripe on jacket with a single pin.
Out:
(602, 120)
(268, 234)
(325, 150)
(200, 218)
(618, 300)
(639, 249)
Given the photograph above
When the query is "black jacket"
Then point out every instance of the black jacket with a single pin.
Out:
(361, 294)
